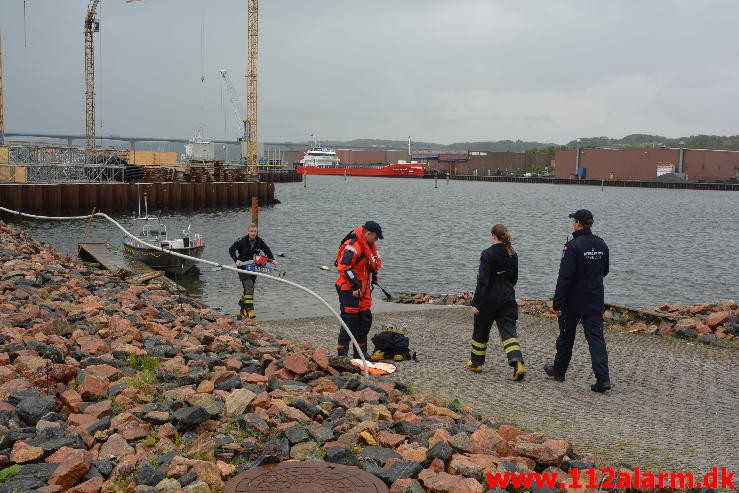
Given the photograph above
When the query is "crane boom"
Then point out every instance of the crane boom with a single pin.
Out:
(2, 121)
(91, 26)
(251, 83)
(235, 104)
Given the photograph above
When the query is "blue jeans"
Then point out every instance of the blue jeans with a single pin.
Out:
(593, 325)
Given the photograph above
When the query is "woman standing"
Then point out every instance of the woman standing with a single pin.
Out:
(495, 301)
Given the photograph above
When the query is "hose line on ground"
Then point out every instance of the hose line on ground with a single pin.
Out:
(204, 261)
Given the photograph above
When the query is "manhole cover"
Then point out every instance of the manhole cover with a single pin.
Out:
(306, 477)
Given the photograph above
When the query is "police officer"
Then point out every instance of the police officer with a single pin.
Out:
(579, 297)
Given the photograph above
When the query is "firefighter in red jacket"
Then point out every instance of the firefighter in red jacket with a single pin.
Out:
(357, 262)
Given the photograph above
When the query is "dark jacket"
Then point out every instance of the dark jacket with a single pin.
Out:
(497, 275)
(583, 266)
(242, 250)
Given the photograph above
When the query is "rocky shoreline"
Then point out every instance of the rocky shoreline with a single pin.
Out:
(110, 386)
(710, 323)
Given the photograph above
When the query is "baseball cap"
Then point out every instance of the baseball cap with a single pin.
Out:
(374, 227)
(583, 216)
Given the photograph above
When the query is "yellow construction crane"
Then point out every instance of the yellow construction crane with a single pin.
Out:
(251, 152)
(92, 26)
(2, 120)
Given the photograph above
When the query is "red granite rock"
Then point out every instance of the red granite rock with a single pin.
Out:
(94, 388)
(297, 363)
(100, 409)
(447, 483)
(93, 485)
(484, 440)
(717, 318)
(320, 356)
(76, 465)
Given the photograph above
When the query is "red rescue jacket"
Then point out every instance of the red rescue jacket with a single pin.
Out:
(356, 260)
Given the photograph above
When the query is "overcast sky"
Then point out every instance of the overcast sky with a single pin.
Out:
(438, 70)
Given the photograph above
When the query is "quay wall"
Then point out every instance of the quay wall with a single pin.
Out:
(71, 199)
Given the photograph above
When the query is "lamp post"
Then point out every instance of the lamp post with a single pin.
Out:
(577, 158)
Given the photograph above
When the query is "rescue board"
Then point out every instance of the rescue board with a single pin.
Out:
(378, 368)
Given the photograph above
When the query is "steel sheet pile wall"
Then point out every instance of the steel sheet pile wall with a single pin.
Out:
(79, 198)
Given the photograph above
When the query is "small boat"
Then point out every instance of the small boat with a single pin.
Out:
(154, 232)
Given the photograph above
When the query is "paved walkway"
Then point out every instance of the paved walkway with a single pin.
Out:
(675, 405)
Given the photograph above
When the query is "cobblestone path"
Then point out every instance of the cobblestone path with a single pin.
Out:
(674, 405)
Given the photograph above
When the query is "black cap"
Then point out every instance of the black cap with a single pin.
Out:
(374, 227)
(583, 216)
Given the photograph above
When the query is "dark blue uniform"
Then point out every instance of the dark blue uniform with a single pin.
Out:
(579, 295)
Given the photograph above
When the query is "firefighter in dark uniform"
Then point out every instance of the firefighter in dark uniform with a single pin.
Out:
(245, 250)
(495, 301)
(358, 263)
(579, 298)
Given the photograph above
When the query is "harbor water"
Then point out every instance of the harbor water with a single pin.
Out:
(665, 245)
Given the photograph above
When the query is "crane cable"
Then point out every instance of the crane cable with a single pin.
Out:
(204, 261)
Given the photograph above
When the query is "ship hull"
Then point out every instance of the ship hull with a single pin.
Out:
(398, 170)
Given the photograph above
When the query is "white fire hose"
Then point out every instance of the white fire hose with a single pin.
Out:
(204, 261)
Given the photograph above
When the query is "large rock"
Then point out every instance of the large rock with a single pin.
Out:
(717, 318)
(341, 455)
(446, 483)
(187, 418)
(23, 453)
(209, 473)
(115, 446)
(32, 409)
(485, 440)
(148, 475)
(549, 453)
(238, 400)
(380, 455)
(72, 469)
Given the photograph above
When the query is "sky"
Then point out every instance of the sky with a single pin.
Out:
(441, 71)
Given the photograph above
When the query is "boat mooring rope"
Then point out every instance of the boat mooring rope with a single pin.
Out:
(204, 261)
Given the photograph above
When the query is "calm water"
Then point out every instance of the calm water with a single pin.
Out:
(666, 245)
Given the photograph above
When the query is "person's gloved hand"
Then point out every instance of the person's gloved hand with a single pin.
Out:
(375, 277)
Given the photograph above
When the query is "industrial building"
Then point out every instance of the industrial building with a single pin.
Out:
(647, 164)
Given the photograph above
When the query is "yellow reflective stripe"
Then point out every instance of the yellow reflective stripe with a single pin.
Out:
(508, 341)
(515, 347)
(480, 345)
(479, 353)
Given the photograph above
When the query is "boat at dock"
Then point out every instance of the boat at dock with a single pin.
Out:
(154, 232)
(324, 161)
(400, 169)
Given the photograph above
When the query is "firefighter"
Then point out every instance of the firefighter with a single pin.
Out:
(495, 301)
(579, 298)
(250, 248)
(358, 264)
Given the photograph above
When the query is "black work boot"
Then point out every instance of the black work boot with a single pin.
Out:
(600, 386)
(549, 370)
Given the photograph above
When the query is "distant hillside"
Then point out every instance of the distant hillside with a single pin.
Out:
(729, 143)
(701, 141)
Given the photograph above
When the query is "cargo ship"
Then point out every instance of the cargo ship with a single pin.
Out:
(399, 169)
(324, 161)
